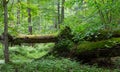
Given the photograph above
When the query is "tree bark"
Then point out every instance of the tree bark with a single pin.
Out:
(6, 46)
(58, 8)
(34, 39)
(29, 19)
(62, 11)
(100, 53)
(18, 12)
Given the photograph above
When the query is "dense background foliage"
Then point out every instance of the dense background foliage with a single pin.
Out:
(86, 19)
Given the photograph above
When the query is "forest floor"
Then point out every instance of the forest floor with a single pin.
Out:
(28, 59)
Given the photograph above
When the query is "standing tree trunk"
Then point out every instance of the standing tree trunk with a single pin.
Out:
(62, 11)
(55, 22)
(18, 12)
(55, 16)
(6, 46)
(29, 19)
(58, 8)
(39, 23)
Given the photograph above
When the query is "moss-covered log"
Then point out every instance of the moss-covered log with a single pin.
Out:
(104, 48)
(64, 42)
(100, 53)
(34, 39)
(89, 48)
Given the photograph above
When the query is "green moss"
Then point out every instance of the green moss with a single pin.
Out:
(86, 45)
(116, 32)
(36, 36)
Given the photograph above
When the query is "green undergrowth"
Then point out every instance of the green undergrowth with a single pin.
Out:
(93, 34)
(24, 53)
(29, 52)
(51, 64)
(87, 45)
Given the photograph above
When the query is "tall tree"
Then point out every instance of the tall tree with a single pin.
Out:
(29, 18)
(18, 12)
(55, 16)
(58, 8)
(62, 11)
(6, 47)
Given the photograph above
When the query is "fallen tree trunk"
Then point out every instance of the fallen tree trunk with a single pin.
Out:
(84, 50)
(100, 53)
(34, 39)
(31, 39)
(104, 48)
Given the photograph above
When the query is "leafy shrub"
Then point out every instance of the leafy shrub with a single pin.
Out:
(64, 45)
(65, 42)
